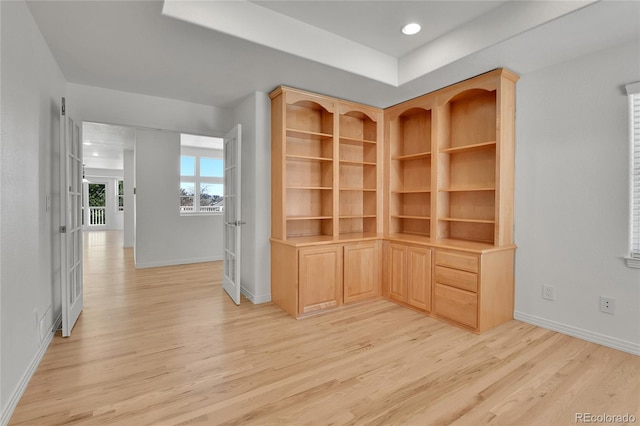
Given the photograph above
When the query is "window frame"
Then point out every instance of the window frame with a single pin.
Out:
(633, 95)
(197, 180)
(119, 196)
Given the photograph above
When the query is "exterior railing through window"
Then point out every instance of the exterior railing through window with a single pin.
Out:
(97, 215)
(206, 209)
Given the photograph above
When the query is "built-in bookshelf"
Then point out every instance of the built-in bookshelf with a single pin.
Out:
(414, 202)
(358, 170)
(325, 172)
(410, 156)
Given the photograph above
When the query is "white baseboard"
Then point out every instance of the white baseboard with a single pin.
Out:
(57, 324)
(159, 263)
(26, 377)
(601, 339)
(255, 299)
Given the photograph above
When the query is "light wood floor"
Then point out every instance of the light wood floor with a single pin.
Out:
(165, 346)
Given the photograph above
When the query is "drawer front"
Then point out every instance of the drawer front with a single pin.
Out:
(457, 305)
(465, 262)
(456, 278)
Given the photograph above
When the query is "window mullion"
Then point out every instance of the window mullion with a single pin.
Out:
(196, 201)
(633, 90)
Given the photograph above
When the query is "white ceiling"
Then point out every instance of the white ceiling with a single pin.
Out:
(103, 145)
(350, 49)
(377, 24)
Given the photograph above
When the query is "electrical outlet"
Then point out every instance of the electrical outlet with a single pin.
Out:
(548, 292)
(607, 305)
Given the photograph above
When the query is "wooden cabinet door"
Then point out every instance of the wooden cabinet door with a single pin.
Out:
(320, 278)
(419, 277)
(361, 271)
(397, 272)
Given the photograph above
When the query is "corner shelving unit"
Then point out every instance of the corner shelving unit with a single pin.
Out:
(414, 202)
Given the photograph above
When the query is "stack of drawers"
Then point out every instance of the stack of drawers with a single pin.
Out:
(456, 287)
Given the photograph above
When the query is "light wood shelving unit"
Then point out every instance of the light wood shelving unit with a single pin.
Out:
(326, 217)
(409, 149)
(358, 169)
(414, 203)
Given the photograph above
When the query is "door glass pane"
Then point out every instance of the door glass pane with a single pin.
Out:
(76, 247)
(229, 152)
(230, 261)
(79, 281)
(229, 182)
(70, 255)
(231, 212)
(73, 184)
(76, 140)
(72, 292)
(231, 238)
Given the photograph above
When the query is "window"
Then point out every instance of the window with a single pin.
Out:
(633, 90)
(201, 175)
(120, 195)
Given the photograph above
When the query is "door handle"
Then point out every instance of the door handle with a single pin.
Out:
(236, 223)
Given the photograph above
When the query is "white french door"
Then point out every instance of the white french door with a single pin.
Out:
(232, 214)
(71, 218)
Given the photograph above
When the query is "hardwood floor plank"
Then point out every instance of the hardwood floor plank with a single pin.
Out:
(166, 346)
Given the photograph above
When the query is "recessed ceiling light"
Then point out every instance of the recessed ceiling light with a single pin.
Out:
(411, 29)
(95, 154)
(87, 142)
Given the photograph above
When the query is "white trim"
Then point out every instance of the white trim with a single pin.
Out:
(57, 324)
(601, 339)
(633, 95)
(14, 399)
(188, 214)
(633, 262)
(255, 299)
(633, 88)
(173, 262)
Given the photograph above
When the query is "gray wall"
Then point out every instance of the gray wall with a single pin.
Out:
(131, 109)
(162, 235)
(571, 189)
(254, 114)
(31, 85)
(129, 204)
(572, 197)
